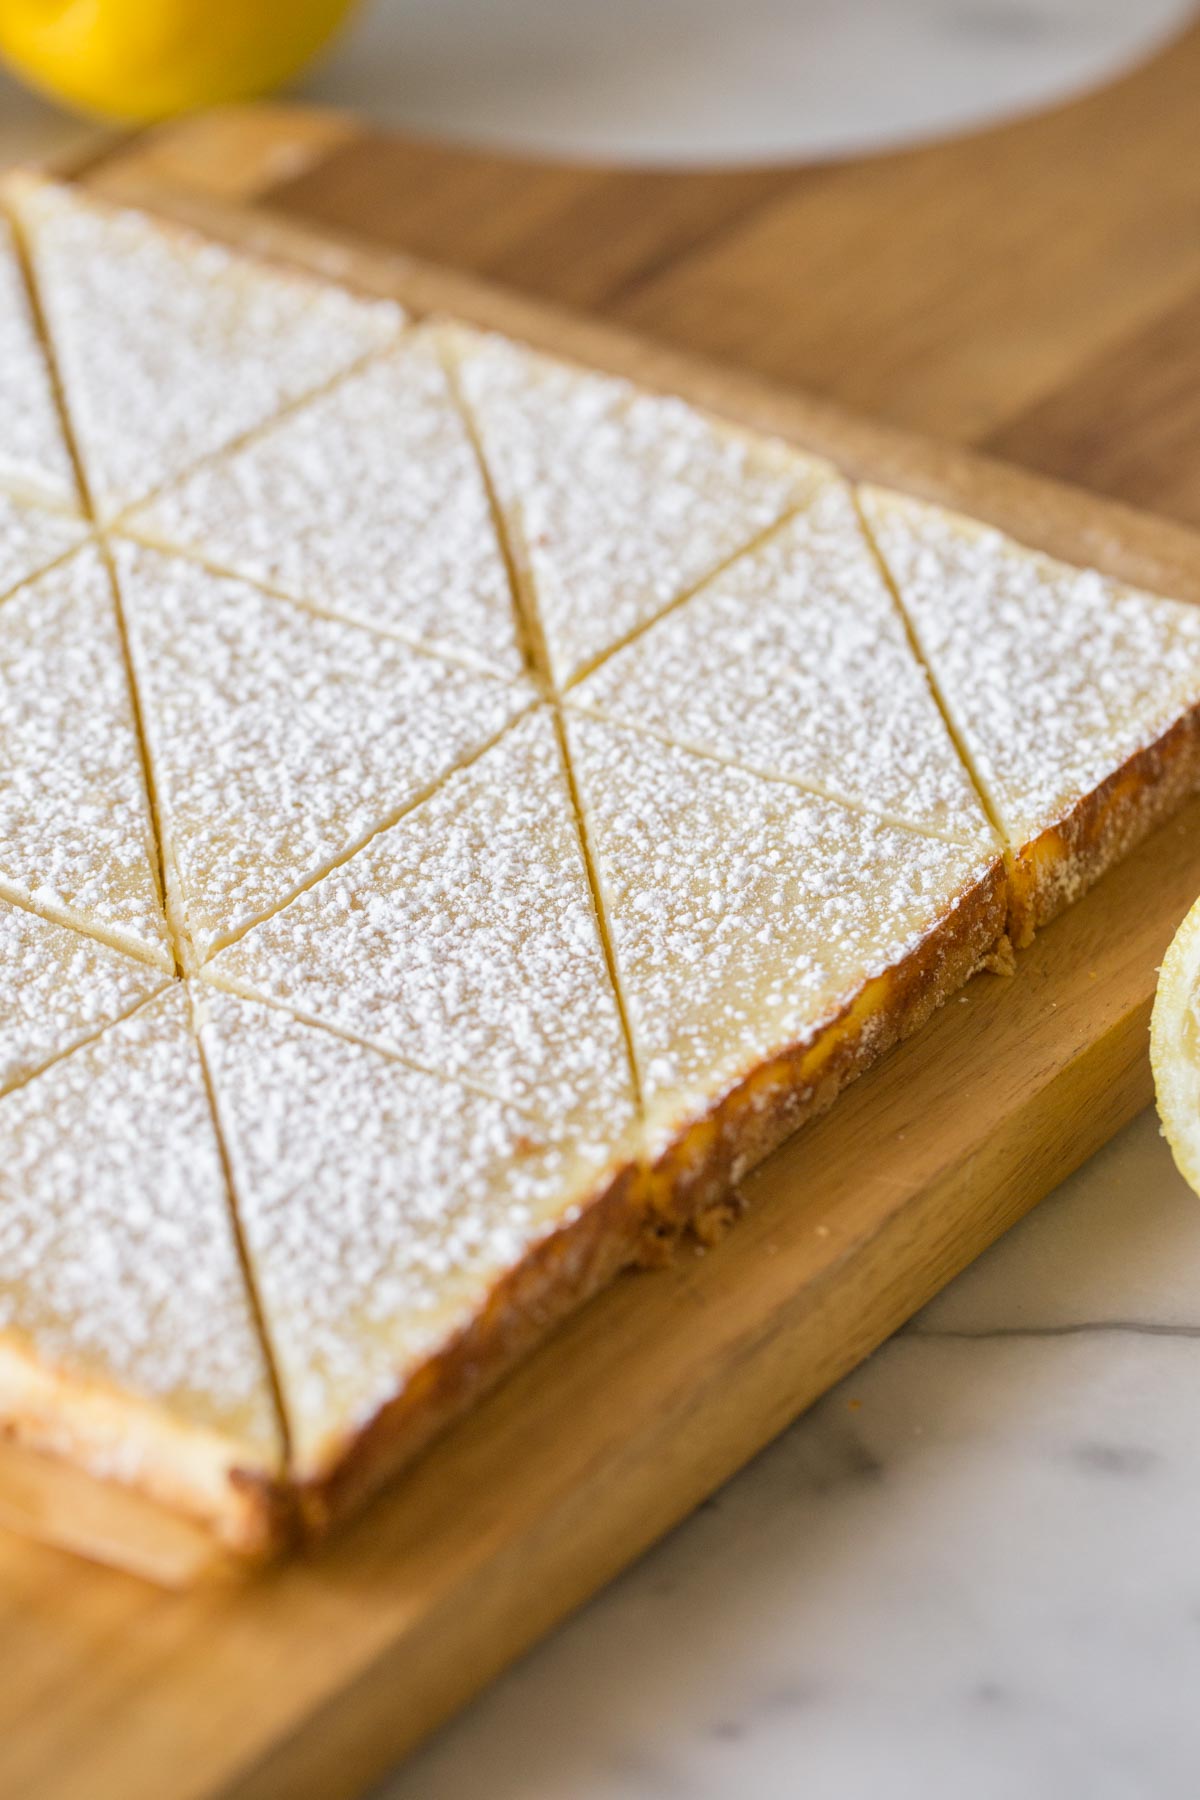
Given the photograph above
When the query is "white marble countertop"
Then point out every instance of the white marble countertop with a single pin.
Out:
(973, 1571)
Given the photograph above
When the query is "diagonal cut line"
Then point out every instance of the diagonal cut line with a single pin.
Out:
(72, 921)
(43, 569)
(243, 1251)
(313, 609)
(68, 429)
(82, 1043)
(176, 928)
(816, 788)
(253, 432)
(534, 644)
(244, 991)
(601, 911)
(472, 756)
(529, 626)
(748, 549)
(918, 651)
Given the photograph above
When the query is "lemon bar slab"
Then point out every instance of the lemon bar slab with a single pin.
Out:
(281, 740)
(76, 835)
(368, 502)
(128, 1340)
(1076, 700)
(169, 346)
(616, 501)
(795, 661)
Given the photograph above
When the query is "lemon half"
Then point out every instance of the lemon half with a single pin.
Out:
(138, 60)
(1175, 1047)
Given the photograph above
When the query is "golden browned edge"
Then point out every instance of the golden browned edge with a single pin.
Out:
(641, 1213)
(644, 1210)
(1059, 866)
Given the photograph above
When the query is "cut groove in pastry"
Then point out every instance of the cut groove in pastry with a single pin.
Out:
(168, 346)
(32, 538)
(58, 988)
(748, 916)
(381, 1209)
(616, 501)
(34, 457)
(75, 829)
(280, 740)
(795, 663)
(465, 937)
(366, 502)
(127, 1336)
(1076, 700)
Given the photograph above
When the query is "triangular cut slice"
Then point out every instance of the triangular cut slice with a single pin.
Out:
(33, 449)
(1076, 700)
(750, 920)
(58, 987)
(128, 1339)
(367, 502)
(465, 938)
(75, 828)
(617, 501)
(280, 740)
(31, 537)
(795, 661)
(383, 1210)
(169, 346)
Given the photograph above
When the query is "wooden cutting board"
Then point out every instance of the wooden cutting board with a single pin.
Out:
(1035, 289)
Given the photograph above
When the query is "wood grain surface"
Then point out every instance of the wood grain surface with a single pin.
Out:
(1029, 290)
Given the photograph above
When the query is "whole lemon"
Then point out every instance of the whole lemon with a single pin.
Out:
(137, 60)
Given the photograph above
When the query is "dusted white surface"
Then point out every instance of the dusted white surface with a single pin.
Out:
(970, 1573)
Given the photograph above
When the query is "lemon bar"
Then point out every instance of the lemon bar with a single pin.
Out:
(170, 347)
(1076, 700)
(795, 662)
(410, 1235)
(280, 740)
(368, 502)
(617, 501)
(768, 942)
(465, 939)
(128, 1339)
